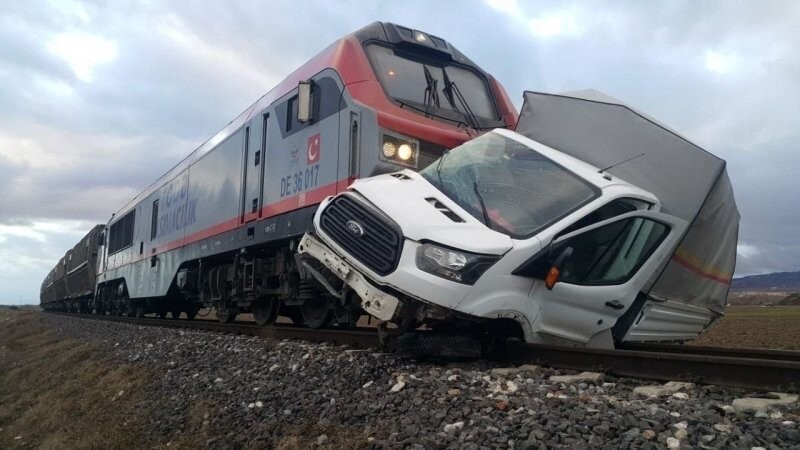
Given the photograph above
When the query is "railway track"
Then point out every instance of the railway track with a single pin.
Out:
(757, 369)
(358, 337)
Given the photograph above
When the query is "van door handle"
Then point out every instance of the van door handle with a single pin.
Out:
(615, 304)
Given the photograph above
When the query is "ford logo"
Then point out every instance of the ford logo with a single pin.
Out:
(355, 227)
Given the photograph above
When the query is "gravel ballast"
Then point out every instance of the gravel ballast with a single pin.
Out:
(242, 392)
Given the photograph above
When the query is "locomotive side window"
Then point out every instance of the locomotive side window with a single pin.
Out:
(121, 235)
(154, 221)
(326, 100)
(291, 114)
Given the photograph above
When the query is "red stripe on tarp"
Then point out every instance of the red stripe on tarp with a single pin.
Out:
(685, 263)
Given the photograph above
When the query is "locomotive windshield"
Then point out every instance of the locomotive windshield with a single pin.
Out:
(511, 187)
(444, 91)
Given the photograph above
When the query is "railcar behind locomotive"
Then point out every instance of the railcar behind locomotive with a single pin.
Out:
(220, 229)
(70, 284)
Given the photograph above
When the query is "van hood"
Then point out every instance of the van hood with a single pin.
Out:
(425, 213)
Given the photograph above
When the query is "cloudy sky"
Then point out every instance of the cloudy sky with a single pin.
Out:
(97, 99)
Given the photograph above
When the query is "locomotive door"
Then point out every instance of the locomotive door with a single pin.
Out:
(255, 145)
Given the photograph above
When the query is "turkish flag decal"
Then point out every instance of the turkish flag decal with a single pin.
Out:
(313, 149)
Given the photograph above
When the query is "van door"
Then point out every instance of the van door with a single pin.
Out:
(611, 262)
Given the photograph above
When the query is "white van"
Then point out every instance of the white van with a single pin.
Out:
(589, 225)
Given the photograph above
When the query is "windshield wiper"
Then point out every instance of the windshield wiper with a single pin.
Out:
(431, 94)
(448, 91)
(451, 88)
(483, 205)
(438, 116)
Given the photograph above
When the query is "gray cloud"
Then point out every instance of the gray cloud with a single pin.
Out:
(723, 74)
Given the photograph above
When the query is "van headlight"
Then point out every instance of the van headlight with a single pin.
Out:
(455, 265)
(399, 150)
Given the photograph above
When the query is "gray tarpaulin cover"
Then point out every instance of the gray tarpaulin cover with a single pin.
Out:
(690, 182)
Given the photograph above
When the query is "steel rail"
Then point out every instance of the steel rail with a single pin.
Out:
(358, 337)
(735, 352)
(750, 372)
(767, 370)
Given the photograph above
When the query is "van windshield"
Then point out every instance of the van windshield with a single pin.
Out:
(511, 187)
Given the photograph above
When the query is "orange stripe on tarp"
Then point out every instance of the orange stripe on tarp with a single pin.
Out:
(699, 271)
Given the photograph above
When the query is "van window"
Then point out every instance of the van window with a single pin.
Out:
(611, 209)
(611, 254)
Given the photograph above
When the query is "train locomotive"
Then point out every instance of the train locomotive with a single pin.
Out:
(221, 228)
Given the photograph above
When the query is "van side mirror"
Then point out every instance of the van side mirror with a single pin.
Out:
(304, 101)
(554, 273)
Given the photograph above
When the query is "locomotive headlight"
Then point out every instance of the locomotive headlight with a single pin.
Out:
(455, 265)
(399, 150)
(405, 152)
(389, 149)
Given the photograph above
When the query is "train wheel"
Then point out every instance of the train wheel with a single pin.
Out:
(265, 311)
(227, 314)
(176, 313)
(161, 313)
(138, 311)
(346, 318)
(316, 312)
(191, 312)
(293, 313)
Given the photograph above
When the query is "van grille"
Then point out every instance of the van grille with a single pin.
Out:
(367, 235)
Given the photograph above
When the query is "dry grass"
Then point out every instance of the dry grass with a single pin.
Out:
(776, 327)
(59, 393)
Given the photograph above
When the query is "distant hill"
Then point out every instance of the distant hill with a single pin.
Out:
(792, 300)
(779, 281)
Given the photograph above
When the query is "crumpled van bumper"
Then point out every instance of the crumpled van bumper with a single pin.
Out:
(373, 300)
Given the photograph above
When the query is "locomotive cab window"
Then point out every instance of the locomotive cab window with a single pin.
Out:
(443, 89)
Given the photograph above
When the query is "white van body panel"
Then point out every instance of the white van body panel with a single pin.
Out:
(668, 321)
